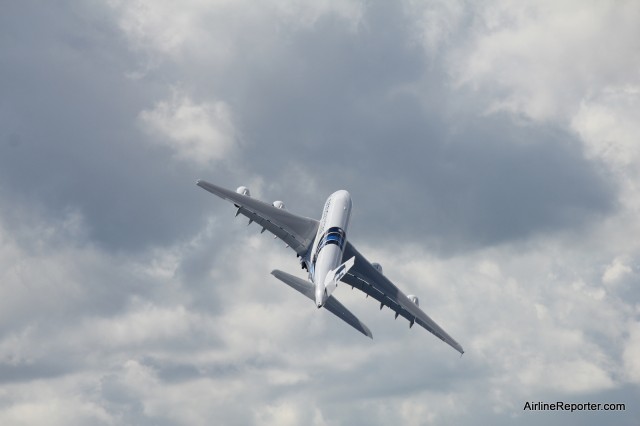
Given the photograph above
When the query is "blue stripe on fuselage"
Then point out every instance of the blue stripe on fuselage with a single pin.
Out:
(334, 235)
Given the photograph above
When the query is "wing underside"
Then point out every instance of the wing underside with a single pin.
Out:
(369, 280)
(297, 231)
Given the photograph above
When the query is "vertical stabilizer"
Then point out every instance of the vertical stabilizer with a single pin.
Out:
(335, 275)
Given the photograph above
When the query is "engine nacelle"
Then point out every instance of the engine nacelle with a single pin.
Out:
(278, 204)
(377, 266)
(244, 191)
(414, 299)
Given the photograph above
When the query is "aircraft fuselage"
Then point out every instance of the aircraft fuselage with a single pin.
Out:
(329, 243)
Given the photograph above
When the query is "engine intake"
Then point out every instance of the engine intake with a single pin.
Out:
(414, 299)
(278, 204)
(378, 267)
(244, 191)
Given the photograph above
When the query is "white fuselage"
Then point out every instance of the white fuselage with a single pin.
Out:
(330, 241)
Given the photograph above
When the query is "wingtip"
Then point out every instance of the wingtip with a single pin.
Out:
(366, 331)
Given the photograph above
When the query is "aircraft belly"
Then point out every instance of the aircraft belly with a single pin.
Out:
(331, 238)
(329, 258)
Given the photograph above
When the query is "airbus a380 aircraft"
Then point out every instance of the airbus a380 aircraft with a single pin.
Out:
(329, 258)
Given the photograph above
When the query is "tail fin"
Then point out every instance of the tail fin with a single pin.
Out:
(335, 275)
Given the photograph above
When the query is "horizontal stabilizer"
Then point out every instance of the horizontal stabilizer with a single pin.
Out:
(332, 304)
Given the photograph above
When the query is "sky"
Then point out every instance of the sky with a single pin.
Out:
(491, 152)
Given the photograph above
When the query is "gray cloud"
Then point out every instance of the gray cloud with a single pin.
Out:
(352, 105)
(76, 119)
(130, 296)
(333, 100)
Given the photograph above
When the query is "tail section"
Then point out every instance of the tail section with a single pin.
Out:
(295, 283)
(331, 304)
(335, 275)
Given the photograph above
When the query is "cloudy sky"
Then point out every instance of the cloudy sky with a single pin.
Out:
(492, 156)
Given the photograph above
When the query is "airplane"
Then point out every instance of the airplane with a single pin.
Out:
(323, 250)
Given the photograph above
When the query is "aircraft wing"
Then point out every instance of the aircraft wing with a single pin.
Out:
(297, 231)
(369, 280)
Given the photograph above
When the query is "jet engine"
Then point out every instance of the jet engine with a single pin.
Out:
(278, 204)
(244, 191)
(414, 299)
(377, 266)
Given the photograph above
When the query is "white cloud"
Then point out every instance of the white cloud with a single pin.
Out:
(303, 13)
(575, 376)
(38, 275)
(428, 408)
(216, 28)
(198, 329)
(436, 23)
(58, 402)
(145, 324)
(523, 314)
(489, 300)
(280, 414)
(197, 132)
(541, 59)
(631, 353)
(616, 271)
(162, 26)
(607, 123)
(56, 411)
